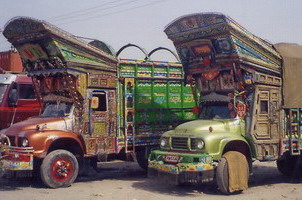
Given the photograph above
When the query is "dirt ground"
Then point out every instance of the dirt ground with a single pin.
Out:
(126, 181)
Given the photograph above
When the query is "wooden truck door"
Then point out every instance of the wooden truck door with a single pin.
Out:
(274, 113)
(266, 126)
(99, 113)
(103, 119)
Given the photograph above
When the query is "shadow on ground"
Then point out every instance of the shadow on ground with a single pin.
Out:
(264, 175)
(7, 184)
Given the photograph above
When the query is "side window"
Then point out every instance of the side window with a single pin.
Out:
(99, 101)
(263, 107)
(26, 91)
(13, 95)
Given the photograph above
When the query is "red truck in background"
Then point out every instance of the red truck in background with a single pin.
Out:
(17, 96)
(10, 61)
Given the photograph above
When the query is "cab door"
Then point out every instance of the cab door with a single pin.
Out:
(267, 118)
(99, 114)
(103, 120)
(27, 104)
(266, 121)
(21, 103)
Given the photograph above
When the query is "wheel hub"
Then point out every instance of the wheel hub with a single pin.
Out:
(62, 169)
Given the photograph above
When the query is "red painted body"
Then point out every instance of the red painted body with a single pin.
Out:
(27, 104)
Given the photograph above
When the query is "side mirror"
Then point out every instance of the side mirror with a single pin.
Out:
(13, 98)
(94, 102)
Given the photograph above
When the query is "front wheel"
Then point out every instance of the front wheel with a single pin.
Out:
(222, 176)
(232, 173)
(59, 168)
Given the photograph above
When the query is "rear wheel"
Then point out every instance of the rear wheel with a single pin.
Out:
(141, 157)
(59, 169)
(88, 166)
(286, 164)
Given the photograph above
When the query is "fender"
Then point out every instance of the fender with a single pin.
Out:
(215, 144)
(42, 141)
(228, 140)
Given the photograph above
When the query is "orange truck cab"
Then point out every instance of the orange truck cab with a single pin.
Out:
(17, 99)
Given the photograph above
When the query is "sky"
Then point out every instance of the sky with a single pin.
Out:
(141, 22)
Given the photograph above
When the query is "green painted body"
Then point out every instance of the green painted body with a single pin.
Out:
(223, 132)
(196, 165)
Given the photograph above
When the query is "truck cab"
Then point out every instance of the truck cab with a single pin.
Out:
(238, 77)
(18, 100)
(192, 150)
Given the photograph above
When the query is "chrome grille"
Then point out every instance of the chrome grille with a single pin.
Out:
(193, 144)
(180, 143)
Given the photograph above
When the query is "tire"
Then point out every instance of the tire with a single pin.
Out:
(222, 175)
(141, 157)
(59, 168)
(286, 164)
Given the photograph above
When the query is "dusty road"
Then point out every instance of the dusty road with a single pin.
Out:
(126, 181)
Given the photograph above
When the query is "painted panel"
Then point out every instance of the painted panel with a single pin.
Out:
(103, 80)
(175, 94)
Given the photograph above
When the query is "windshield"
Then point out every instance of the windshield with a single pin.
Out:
(57, 109)
(2, 91)
(215, 111)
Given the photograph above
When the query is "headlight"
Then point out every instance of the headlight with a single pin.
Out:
(200, 144)
(164, 142)
(4, 140)
(24, 142)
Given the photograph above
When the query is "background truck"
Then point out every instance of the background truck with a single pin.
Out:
(249, 109)
(10, 61)
(17, 97)
(95, 107)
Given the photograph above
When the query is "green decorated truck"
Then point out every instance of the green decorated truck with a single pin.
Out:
(96, 106)
(250, 105)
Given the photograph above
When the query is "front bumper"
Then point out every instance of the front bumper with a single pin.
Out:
(177, 173)
(16, 158)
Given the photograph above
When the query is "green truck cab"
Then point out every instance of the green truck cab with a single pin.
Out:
(192, 149)
(249, 108)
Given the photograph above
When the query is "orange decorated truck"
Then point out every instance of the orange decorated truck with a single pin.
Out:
(96, 107)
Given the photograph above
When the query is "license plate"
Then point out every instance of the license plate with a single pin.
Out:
(172, 158)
